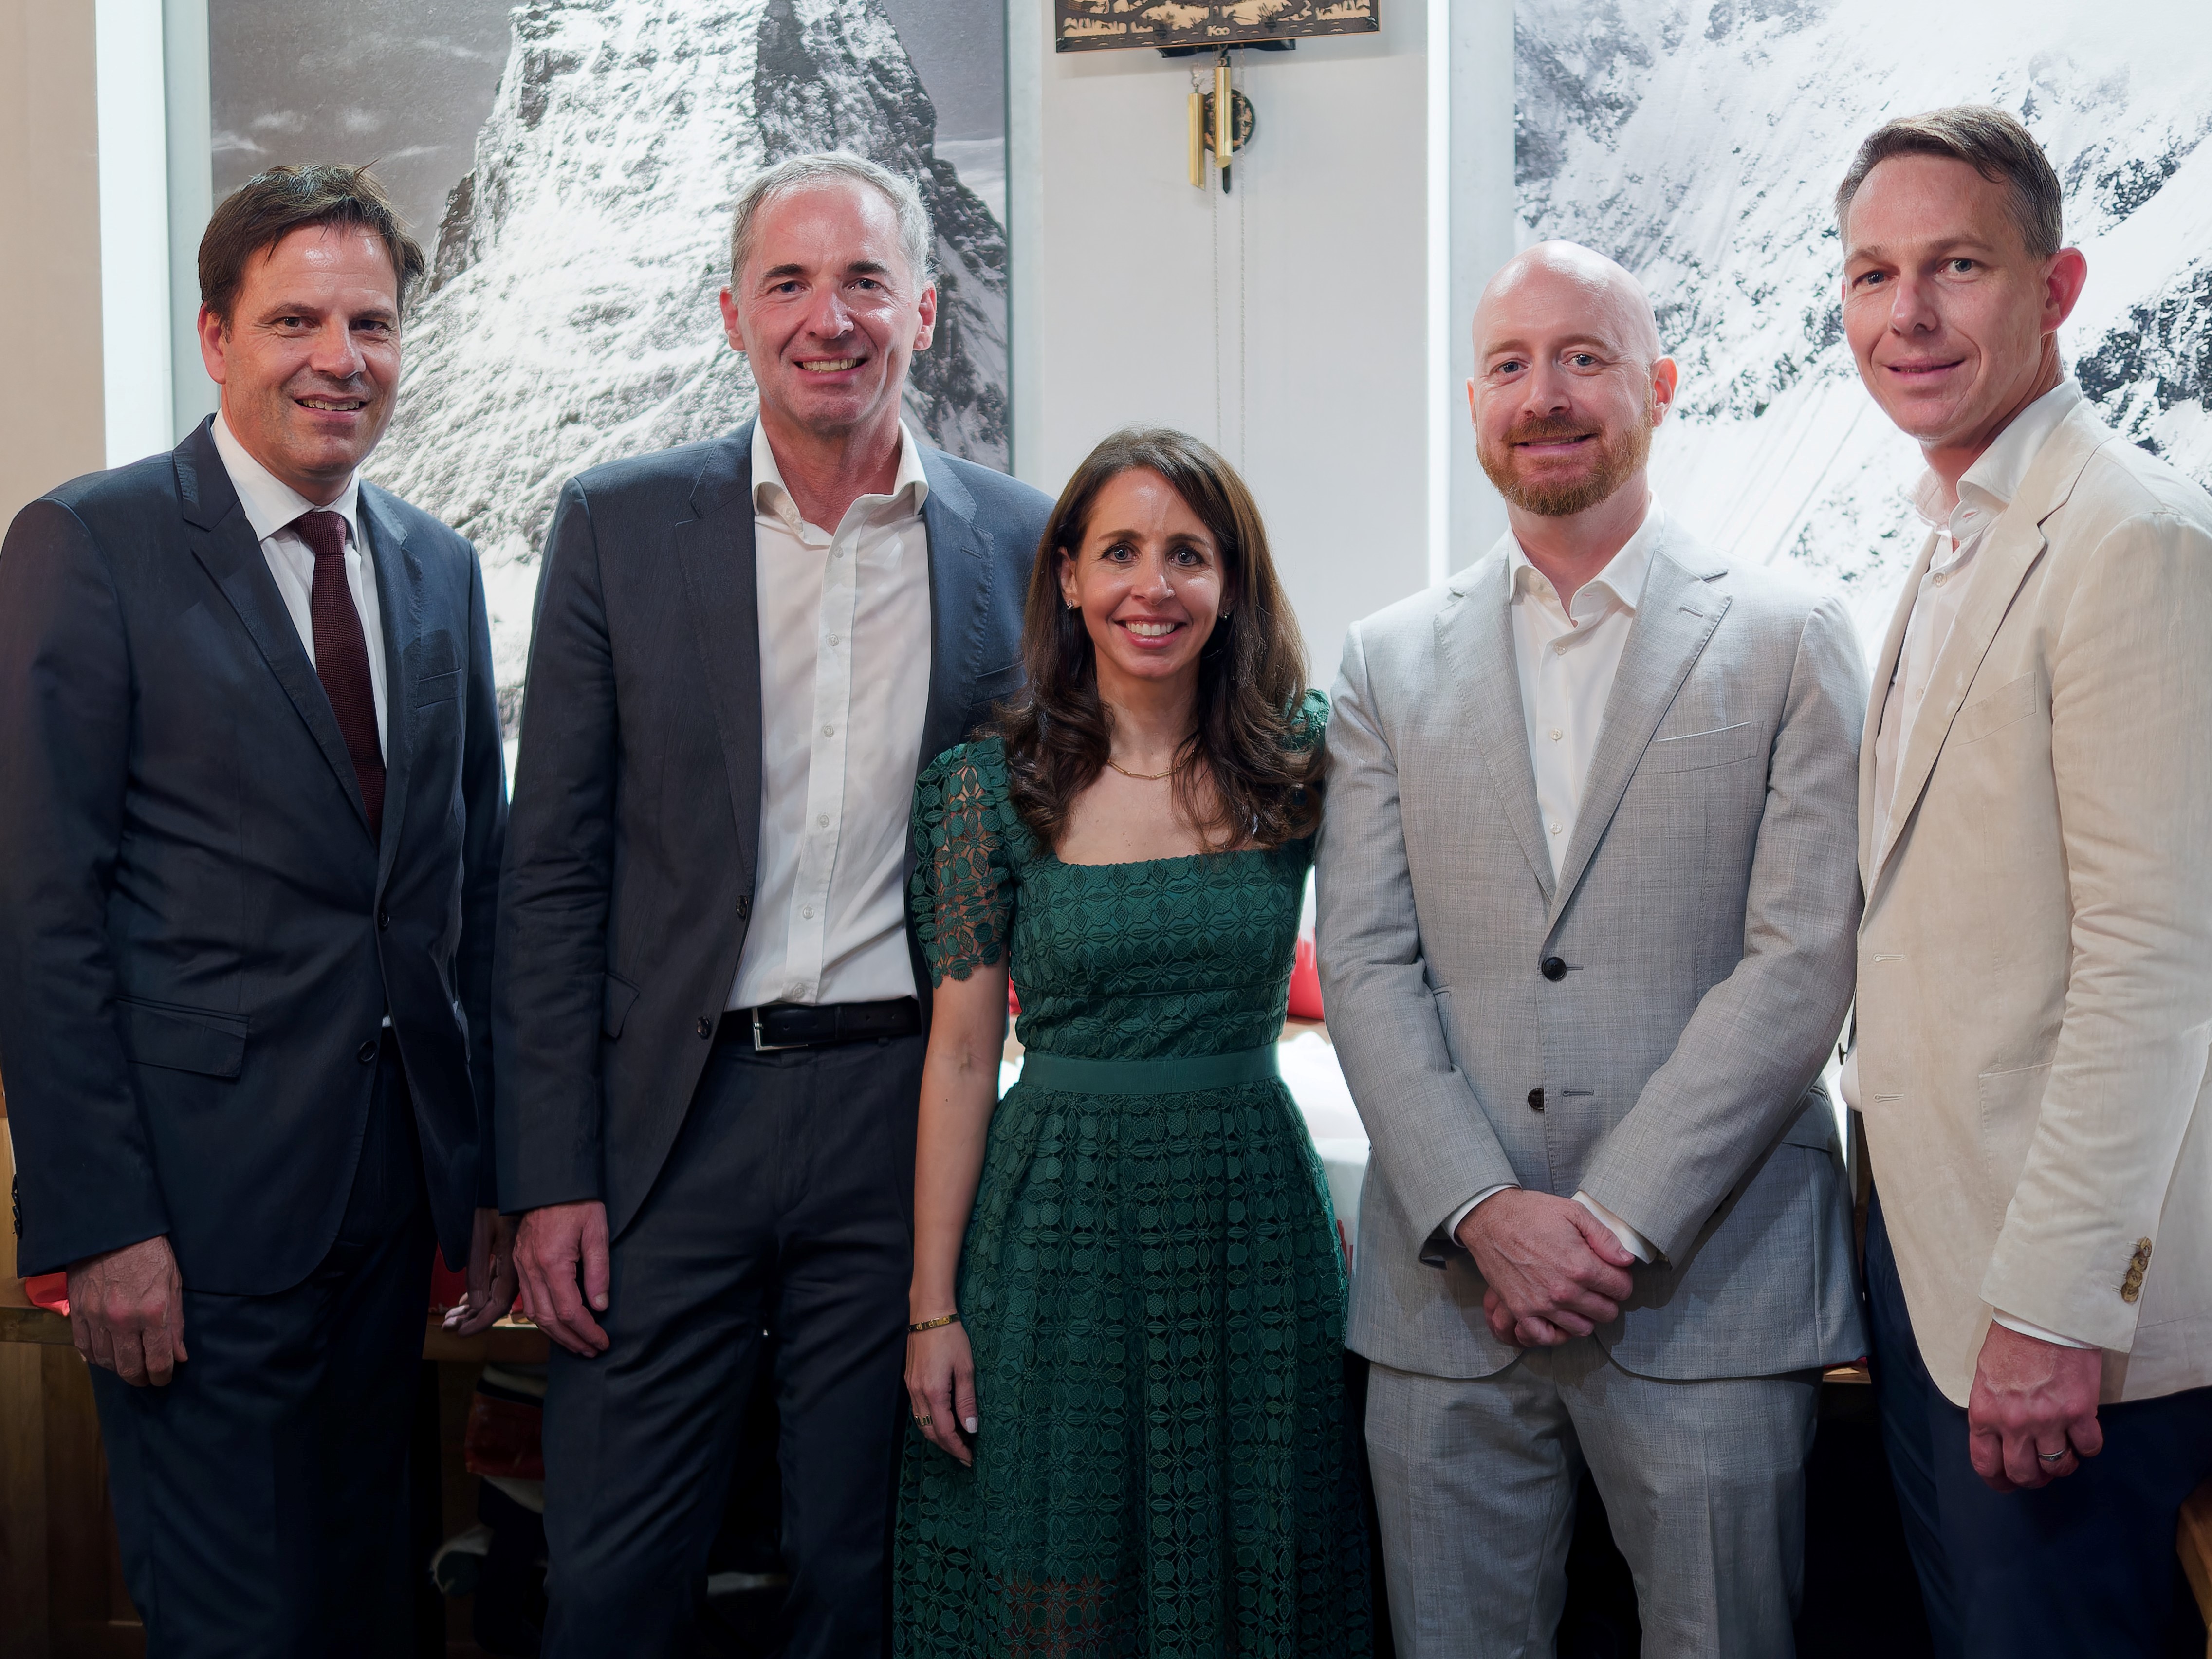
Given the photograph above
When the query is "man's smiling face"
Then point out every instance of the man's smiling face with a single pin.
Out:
(1569, 382)
(1948, 312)
(309, 360)
(827, 311)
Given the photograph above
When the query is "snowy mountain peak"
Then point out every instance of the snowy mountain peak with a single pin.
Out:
(571, 317)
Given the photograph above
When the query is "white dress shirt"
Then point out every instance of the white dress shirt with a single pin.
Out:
(1985, 490)
(270, 505)
(1567, 656)
(844, 651)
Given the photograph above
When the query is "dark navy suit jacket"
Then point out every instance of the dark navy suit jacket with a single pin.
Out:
(199, 938)
(629, 870)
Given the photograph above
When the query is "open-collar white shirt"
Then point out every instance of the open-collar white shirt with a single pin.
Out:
(844, 657)
(270, 505)
(1985, 490)
(1567, 656)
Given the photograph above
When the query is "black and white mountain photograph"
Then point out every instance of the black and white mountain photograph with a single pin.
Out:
(572, 183)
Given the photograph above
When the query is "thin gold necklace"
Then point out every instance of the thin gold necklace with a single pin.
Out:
(1144, 777)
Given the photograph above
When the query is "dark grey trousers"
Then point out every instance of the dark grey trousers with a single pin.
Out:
(261, 1497)
(779, 1233)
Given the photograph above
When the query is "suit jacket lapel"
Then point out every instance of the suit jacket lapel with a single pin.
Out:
(1675, 617)
(228, 549)
(714, 548)
(2016, 542)
(1475, 635)
(960, 572)
(399, 598)
(1885, 670)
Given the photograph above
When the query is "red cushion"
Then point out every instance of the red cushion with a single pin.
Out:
(1305, 983)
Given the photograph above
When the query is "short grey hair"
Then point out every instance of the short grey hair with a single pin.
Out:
(916, 238)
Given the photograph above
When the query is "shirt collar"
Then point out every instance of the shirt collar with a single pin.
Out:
(771, 495)
(1990, 484)
(269, 502)
(1622, 579)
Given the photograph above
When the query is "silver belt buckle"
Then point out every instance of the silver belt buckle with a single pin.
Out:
(761, 1045)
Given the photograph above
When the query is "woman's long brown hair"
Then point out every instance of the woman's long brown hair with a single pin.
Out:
(1265, 788)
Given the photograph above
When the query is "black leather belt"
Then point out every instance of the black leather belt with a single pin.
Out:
(808, 1026)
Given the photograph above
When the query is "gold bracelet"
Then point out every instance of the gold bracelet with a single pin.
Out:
(933, 1324)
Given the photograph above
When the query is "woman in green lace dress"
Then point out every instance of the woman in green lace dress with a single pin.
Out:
(1126, 1369)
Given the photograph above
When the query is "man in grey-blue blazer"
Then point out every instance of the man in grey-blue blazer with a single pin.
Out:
(707, 982)
(1587, 899)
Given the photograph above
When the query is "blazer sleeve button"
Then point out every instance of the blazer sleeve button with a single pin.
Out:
(1553, 969)
(706, 1026)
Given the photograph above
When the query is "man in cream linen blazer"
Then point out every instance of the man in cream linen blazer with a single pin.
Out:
(2035, 963)
(1635, 1020)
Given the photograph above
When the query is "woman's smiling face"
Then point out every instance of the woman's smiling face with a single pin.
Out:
(1147, 578)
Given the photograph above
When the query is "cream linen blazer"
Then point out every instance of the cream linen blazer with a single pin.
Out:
(2035, 959)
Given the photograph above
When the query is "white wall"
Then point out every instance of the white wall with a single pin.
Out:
(1115, 313)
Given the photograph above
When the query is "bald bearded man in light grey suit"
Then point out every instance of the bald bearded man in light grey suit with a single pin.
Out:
(1587, 896)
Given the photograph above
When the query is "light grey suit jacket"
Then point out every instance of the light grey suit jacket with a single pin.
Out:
(1703, 926)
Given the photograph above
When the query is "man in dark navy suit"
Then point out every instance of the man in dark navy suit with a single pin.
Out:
(251, 806)
(709, 1037)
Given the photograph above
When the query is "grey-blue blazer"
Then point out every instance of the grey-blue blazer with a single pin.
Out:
(1699, 939)
(628, 883)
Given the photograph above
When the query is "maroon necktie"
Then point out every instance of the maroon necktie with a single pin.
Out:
(342, 659)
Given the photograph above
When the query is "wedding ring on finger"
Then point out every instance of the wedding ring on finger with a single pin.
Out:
(923, 1421)
(2058, 1456)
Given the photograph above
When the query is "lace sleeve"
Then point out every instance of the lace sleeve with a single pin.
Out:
(1309, 723)
(964, 889)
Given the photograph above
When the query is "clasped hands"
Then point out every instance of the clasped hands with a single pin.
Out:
(1553, 1270)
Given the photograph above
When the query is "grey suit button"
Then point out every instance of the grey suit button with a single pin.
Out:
(1536, 1099)
(706, 1026)
(1553, 969)
(367, 1052)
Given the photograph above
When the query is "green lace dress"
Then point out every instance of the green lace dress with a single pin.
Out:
(1150, 1283)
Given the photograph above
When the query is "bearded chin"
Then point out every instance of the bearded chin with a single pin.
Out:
(1620, 458)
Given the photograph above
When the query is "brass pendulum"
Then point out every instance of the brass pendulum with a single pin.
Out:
(1197, 134)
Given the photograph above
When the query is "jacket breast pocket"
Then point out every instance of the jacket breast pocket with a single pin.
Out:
(181, 1039)
(994, 684)
(1697, 751)
(989, 690)
(437, 687)
(2011, 703)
